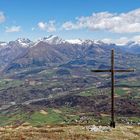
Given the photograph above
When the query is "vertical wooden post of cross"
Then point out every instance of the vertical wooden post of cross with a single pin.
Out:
(112, 123)
(112, 70)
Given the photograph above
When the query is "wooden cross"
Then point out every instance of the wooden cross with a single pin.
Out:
(112, 71)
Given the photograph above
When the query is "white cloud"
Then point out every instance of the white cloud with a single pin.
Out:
(137, 38)
(108, 40)
(119, 23)
(13, 29)
(69, 26)
(49, 27)
(42, 25)
(122, 40)
(118, 41)
(2, 17)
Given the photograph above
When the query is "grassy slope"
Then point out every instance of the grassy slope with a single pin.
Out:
(52, 116)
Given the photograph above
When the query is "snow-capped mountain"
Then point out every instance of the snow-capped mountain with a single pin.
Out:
(55, 40)
(23, 42)
(11, 50)
(52, 40)
(53, 49)
(131, 47)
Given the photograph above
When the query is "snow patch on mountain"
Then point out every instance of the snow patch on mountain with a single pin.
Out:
(3, 44)
(75, 41)
(24, 42)
(53, 40)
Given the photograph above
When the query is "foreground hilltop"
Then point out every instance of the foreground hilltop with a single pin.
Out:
(70, 132)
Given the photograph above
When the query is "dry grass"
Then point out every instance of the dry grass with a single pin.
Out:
(67, 132)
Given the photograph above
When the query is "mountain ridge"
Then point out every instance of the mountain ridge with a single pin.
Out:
(53, 50)
(55, 40)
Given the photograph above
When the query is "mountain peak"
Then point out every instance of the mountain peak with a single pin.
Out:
(53, 40)
(24, 42)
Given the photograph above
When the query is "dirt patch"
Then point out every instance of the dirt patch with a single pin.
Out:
(43, 112)
(57, 111)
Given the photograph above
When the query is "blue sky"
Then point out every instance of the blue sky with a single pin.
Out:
(108, 20)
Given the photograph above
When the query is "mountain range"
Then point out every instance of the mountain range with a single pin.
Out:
(53, 50)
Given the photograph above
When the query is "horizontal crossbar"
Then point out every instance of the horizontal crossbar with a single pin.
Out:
(100, 70)
(115, 70)
(128, 70)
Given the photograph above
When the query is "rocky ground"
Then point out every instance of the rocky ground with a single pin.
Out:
(69, 132)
